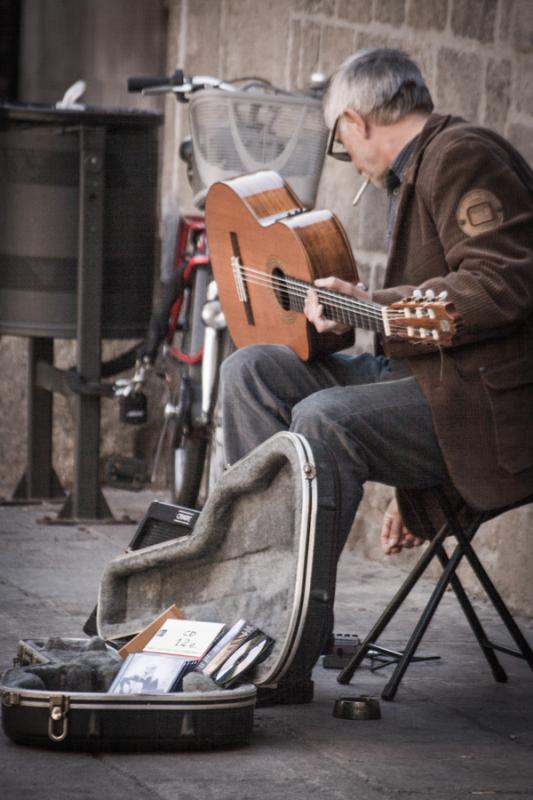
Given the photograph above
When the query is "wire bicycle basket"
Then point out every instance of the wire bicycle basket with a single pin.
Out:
(245, 131)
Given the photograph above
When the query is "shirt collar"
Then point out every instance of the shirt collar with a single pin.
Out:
(398, 168)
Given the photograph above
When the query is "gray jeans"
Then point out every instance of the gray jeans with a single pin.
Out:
(369, 409)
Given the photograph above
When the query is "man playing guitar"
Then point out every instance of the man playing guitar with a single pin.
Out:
(460, 225)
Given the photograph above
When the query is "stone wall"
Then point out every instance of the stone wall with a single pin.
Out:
(476, 56)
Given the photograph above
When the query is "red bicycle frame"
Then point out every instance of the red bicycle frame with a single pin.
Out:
(191, 252)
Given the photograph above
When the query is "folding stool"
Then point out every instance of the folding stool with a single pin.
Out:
(461, 523)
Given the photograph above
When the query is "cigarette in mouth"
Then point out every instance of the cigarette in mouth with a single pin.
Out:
(360, 191)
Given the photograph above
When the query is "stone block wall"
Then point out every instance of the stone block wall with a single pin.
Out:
(476, 56)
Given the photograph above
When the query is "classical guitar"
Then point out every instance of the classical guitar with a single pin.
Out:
(266, 250)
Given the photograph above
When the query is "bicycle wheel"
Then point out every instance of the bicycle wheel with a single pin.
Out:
(196, 461)
(214, 458)
(186, 469)
(215, 461)
(187, 444)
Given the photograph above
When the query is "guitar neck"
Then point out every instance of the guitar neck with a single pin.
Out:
(337, 306)
(414, 318)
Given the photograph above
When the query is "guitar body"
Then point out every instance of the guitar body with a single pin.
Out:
(259, 221)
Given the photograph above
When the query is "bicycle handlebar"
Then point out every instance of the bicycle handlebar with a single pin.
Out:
(182, 85)
(142, 82)
(178, 84)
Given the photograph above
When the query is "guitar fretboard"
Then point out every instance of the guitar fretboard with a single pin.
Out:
(339, 307)
(291, 294)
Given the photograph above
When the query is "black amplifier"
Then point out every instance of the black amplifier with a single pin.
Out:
(161, 522)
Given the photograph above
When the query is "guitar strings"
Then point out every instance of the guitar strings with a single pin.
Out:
(362, 311)
(344, 308)
(298, 291)
(371, 322)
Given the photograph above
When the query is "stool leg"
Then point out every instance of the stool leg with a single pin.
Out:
(346, 674)
(391, 688)
(499, 605)
(464, 539)
(497, 670)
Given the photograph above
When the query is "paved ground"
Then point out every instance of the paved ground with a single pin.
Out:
(452, 733)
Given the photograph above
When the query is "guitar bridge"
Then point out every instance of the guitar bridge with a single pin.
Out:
(239, 280)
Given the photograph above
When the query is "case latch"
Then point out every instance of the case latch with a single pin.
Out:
(309, 471)
(10, 699)
(57, 721)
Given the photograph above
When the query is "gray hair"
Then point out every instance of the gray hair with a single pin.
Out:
(382, 84)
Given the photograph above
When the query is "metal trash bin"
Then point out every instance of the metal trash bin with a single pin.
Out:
(39, 219)
(78, 212)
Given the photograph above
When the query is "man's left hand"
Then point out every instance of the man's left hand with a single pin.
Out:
(314, 310)
(394, 535)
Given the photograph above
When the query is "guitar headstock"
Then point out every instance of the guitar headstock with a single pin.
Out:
(424, 319)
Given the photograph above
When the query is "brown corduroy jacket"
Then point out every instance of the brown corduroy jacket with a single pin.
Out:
(465, 226)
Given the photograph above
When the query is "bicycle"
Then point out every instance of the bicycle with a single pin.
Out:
(236, 126)
(186, 343)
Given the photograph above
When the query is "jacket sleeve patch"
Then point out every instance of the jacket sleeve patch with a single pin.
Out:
(479, 211)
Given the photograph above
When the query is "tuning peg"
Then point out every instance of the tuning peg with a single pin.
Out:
(417, 294)
(430, 295)
(443, 296)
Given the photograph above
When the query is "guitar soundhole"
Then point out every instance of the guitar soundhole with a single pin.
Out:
(279, 284)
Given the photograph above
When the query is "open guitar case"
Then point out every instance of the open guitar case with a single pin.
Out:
(264, 549)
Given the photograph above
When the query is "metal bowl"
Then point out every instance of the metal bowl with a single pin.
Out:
(357, 708)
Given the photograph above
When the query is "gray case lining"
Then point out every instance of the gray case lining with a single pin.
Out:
(255, 552)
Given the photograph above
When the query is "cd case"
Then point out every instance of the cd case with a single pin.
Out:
(150, 673)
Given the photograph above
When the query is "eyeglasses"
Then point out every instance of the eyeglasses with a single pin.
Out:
(339, 154)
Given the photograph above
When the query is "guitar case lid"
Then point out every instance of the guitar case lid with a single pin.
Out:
(263, 549)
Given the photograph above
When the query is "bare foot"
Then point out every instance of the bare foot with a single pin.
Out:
(394, 535)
